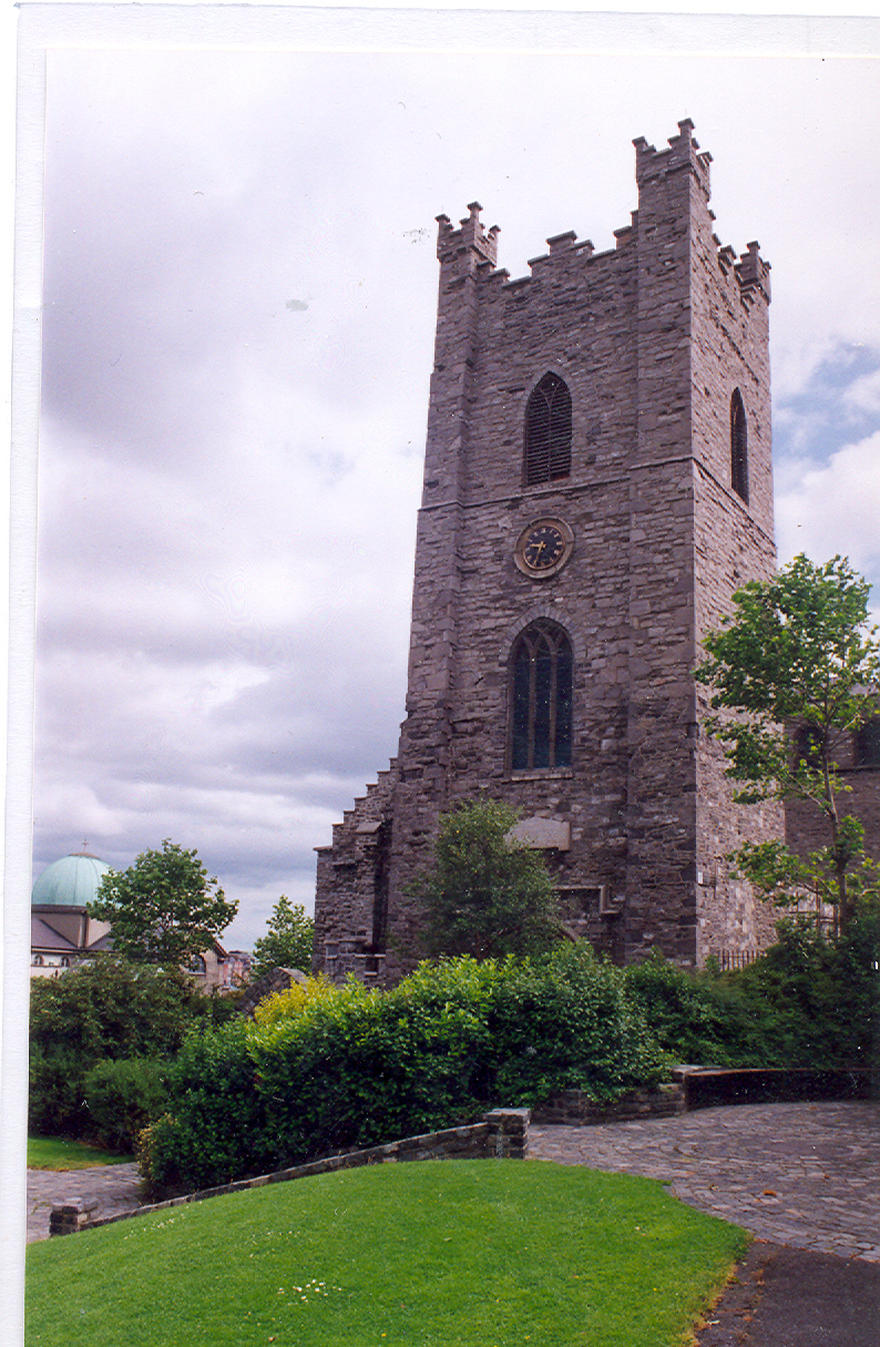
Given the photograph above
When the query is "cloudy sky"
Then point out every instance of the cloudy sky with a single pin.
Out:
(239, 291)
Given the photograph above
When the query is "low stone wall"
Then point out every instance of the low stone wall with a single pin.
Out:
(573, 1108)
(503, 1134)
(708, 1087)
(74, 1215)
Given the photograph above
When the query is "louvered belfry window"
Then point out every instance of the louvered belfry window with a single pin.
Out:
(548, 431)
(739, 447)
(541, 676)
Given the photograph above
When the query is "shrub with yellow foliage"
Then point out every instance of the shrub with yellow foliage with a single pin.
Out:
(282, 1005)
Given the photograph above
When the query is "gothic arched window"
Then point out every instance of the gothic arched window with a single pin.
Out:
(739, 447)
(541, 683)
(548, 432)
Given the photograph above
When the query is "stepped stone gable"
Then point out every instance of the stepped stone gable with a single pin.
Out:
(665, 507)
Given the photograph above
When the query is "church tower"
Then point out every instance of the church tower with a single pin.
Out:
(598, 481)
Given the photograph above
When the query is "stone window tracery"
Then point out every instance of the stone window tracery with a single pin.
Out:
(548, 432)
(739, 447)
(541, 672)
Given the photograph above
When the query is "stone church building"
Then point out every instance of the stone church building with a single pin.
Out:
(598, 481)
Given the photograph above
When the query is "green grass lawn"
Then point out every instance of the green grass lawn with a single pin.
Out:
(56, 1153)
(457, 1253)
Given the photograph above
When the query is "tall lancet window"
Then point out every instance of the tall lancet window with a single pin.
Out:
(739, 447)
(541, 684)
(548, 432)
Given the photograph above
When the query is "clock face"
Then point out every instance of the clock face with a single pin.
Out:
(543, 548)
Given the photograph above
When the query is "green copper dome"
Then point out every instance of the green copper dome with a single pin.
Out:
(71, 882)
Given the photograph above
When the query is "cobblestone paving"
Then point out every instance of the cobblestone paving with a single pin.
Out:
(115, 1188)
(806, 1175)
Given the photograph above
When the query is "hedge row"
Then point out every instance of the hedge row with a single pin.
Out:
(356, 1067)
(113, 1046)
(807, 1002)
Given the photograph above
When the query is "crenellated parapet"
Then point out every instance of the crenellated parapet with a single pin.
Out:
(471, 236)
(562, 248)
(478, 247)
(656, 168)
(753, 271)
(683, 153)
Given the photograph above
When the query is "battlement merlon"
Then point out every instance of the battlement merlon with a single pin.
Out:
(753, 271)
(564, 246)
(683, 153)
(452, 242)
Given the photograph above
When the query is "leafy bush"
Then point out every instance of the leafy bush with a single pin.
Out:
(104, 1010)
(816, 1000)
(353, 1067)
(696, 1018)
(807, 1002)
(359, 1068)
(123, 1097)
(485, 893)
(279, 1005)
(858, 974)
(215, 1127)
(356, 1067)
(565, 1021)
(55, 1103)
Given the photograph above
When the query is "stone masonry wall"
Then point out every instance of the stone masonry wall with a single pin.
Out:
(351, 894)
(705, 317)
(733, 542)
(455, 740)
(650, 337)
(807, 829)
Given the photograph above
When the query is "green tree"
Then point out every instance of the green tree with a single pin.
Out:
(163, 908)
(793, 670)
(288, 942)
(486, 894)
